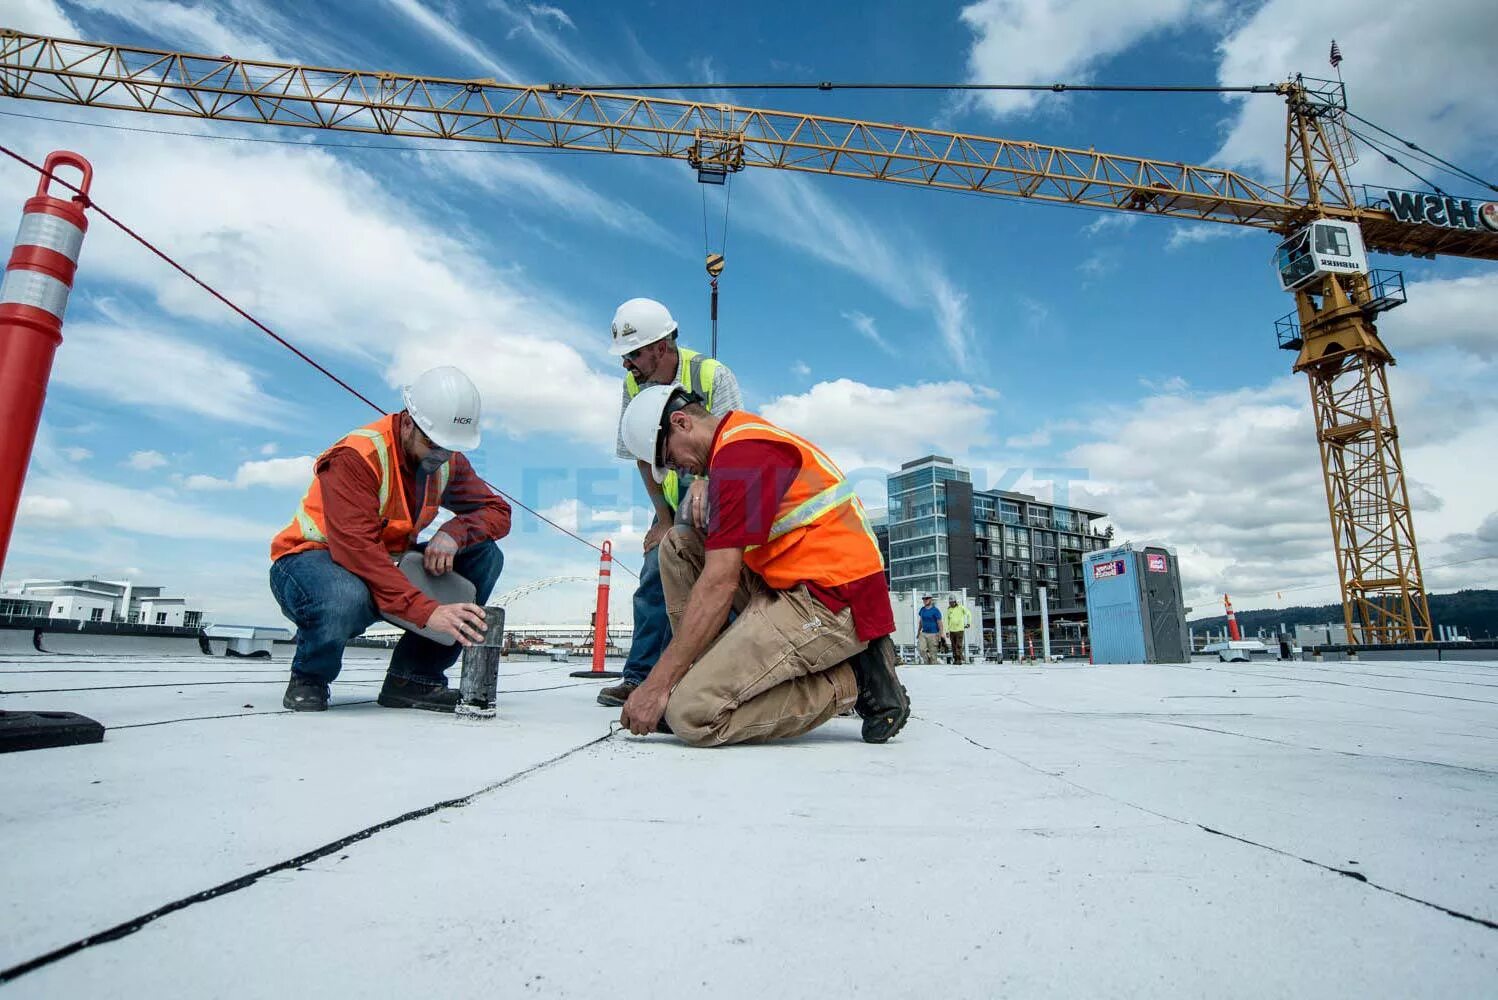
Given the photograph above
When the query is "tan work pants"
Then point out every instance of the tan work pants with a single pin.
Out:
(778, 670)
(926, 644)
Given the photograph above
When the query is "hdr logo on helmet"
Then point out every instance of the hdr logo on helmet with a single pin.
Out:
(625, 330)
(462, 420)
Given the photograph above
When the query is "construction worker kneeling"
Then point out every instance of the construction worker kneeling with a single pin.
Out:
(350, 555)
(786, 544)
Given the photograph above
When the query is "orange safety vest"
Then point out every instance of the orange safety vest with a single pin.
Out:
(376, 444)
(820, 533)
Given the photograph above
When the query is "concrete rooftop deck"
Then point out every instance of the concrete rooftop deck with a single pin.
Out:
(1214, 830)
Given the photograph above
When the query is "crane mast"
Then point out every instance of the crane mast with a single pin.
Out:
(1332, 328)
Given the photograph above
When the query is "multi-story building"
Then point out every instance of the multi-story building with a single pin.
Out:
(944, 536)
(99, 601)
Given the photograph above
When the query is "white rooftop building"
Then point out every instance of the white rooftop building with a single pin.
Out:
(93, 600)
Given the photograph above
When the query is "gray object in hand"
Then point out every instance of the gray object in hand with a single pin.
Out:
(450, 588)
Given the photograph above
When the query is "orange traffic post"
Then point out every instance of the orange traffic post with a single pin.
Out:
(1234, 632)
(601, 618)
(33, 298)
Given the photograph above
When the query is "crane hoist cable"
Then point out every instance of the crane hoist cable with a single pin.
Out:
(716, 260)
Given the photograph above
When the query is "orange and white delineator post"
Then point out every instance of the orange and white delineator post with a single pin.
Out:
(601, 617)
(1233, 631)
(33, 298)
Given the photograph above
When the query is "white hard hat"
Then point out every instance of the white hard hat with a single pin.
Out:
(644, 422)
(445, 405)
(639, 322)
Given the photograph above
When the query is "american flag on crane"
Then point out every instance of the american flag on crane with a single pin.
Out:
(1336, 56)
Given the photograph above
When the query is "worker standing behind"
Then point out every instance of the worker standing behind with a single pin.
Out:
(333, 567)
(958, 620)
(645, 340)
(930, 631)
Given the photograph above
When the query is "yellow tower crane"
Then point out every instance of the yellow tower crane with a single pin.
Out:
(1322, 258)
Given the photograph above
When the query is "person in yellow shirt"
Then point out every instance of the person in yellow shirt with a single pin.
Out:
(958, 619)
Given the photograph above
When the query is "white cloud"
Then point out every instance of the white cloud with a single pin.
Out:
(443, 28)
(863, 426)
(341, 247)
(200, 27)
(145, 461)
(1457, 312)
(44, 509)
(1187, 234)
(1045, 41)
(146, 368)
(864, 324)
(1110, 222)
(520, 174)
(270, 448)
(532, 23)
(76, 454)
(1421, 72)
(557, 14)
(94, 504)
(1233, 479)
(276, 473)
(800, 369)
(42, 17)
(790, 209)
(1037, 439)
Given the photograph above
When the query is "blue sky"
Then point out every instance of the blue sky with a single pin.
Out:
(884, 322)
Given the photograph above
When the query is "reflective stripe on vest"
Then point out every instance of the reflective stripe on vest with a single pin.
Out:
(823, 537)
(373, 445)
(840, 492)
(696, 372)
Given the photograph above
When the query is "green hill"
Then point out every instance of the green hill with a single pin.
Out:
(1473, 612)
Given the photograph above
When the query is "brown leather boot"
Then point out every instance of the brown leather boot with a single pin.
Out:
(614, 697)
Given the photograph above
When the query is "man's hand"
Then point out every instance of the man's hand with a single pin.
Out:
(696, 504)
(464, 622)
(643, 711)
(440, 552)
(655, 533)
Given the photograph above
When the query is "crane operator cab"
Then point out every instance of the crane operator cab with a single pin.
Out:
(1326, 246)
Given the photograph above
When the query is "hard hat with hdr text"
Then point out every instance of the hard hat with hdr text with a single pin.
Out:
(644, 423)
(445, 405)
(640, 322)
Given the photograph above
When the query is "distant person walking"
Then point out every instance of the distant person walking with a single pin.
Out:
(930, 634)
(333, 568)
(958, 620)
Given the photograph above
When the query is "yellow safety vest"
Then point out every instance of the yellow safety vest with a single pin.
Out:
(695, 373)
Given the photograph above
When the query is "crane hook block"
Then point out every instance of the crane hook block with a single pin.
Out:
(715, 264)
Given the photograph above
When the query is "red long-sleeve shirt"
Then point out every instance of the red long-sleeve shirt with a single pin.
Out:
(351, 506)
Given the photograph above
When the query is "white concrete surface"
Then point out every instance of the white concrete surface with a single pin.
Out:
(1062, 830)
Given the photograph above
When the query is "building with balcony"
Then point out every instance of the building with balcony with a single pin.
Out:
(944, 536)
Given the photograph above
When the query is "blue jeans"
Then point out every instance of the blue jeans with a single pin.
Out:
(652, 627)
(330, 606)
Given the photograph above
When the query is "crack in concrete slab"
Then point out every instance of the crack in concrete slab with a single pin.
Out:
(134, 924)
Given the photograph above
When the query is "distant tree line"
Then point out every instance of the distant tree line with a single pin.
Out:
(1471, 612)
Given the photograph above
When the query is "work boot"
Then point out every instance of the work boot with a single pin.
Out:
(400, 692)
(614, 697)
(882, 701)
(306, 694)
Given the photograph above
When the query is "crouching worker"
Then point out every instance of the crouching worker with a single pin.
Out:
(789, 548)
(333, 569)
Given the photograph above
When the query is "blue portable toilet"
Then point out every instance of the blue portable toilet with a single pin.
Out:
(1135, 611)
